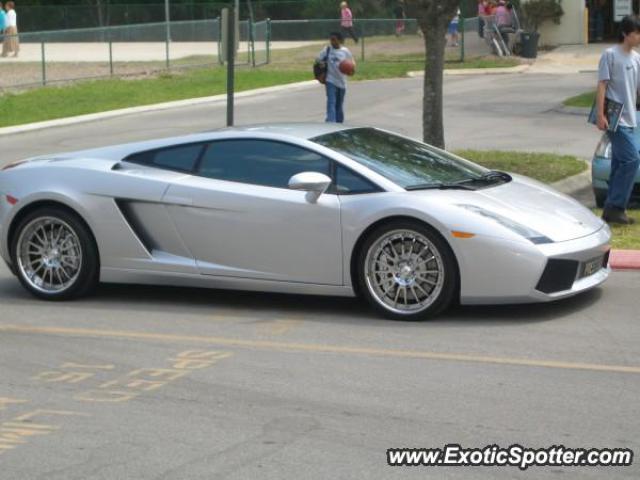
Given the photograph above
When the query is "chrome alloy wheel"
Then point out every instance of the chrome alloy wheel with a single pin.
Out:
(49, 255)
(404, 271)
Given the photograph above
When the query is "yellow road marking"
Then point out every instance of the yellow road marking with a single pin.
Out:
(316, 348)
(4, 401)
(278, 327)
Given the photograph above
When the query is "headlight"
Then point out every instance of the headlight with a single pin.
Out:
(603, 150)
(522, 230)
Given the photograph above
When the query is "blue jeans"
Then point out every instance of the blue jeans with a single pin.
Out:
(335, 100)
(624, 165)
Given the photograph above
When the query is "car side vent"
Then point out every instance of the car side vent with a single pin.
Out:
(558, 275)
(136, 225)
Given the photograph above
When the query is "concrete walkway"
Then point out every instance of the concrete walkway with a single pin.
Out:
(569, 59)
(130, 51)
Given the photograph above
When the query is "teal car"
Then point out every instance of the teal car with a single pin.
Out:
(601, 167)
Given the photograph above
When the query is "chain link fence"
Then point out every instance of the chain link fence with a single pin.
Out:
(132, 50)
(138, 50)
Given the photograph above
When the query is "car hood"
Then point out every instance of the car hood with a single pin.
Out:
(533, 204)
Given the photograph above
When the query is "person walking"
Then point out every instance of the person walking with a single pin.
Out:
(336, 81)
(452, 30)
(483, 11)
(401, 16)
(619, 80)
(346, 22)
(3, 22)
(11, 43)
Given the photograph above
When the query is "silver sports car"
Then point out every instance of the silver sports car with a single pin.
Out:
(300, 208)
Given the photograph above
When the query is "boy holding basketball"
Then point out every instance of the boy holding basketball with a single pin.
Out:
(340, 63)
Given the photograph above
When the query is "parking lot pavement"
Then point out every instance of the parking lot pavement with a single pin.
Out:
(164, 383)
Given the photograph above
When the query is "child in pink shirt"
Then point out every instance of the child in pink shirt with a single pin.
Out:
(346, 22)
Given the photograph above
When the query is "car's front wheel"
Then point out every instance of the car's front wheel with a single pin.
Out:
(407, 271)
(55, 255)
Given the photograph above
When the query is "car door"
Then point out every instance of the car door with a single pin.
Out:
(146, 216)
(238, 217)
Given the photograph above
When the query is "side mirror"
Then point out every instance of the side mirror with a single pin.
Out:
(312, 182)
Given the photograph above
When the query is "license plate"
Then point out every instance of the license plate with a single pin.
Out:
(592, 266)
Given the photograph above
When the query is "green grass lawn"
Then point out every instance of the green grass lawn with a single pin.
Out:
(584, 100)
(545, 167)
(484, 62)
(626, 237)
(101, 95)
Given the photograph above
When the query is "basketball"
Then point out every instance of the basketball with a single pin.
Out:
(347, 67)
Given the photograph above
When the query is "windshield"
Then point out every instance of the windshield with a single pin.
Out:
(410, 164)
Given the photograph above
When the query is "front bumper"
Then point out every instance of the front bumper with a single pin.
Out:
(517, 270)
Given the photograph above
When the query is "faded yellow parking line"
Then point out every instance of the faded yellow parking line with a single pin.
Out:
(278, 327)
(316, 348)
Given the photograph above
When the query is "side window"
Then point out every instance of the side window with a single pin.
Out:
(259, 162)
(182, 158)
(348, 182)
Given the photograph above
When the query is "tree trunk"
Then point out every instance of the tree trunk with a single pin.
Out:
(432, 108)
(434, 17)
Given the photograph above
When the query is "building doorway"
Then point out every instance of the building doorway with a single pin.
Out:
(602, 24)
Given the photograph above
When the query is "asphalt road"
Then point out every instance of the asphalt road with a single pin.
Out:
(167, 383)
(304, 387)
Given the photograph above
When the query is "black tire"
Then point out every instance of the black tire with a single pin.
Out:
(448, 285)
(601, 197)
(86, 276)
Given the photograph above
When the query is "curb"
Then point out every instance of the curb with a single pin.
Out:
(574, 184)
(625, 260)
(92, 117)
(476, 71)
(581, 111)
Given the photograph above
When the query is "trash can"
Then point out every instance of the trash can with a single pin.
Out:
(529, 42)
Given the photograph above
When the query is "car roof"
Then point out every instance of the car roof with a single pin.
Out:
(299, 131)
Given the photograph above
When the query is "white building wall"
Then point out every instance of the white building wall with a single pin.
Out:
(571, 30)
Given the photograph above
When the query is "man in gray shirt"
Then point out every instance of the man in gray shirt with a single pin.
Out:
(619, 80)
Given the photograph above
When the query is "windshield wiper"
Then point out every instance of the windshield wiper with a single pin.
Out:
(496, 175)
(439, 186)
(464, 184)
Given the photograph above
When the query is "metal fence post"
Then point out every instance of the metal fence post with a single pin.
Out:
(220, 55)
(231, 60)
(110, 52)
(167, 50)
(362, 41)
(463, 29)
(44, 63)
(252, 40)
(268, 40)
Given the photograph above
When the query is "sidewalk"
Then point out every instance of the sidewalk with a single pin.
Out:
(131, 51)
(569, 59)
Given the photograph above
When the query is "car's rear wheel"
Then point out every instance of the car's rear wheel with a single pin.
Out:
(55, 255)
(407, 271)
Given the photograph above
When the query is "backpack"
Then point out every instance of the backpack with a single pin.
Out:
(320, 68)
